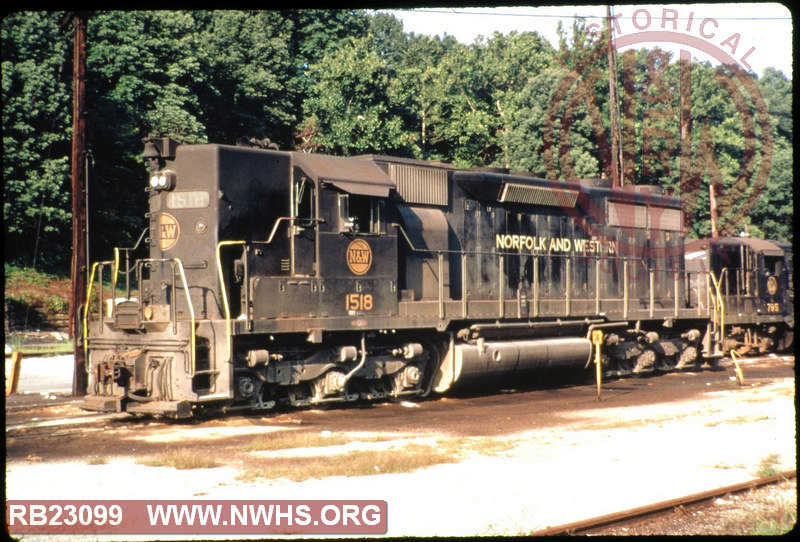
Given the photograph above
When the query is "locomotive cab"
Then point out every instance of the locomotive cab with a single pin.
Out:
(751, 283)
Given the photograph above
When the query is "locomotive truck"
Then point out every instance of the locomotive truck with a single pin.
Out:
(276, 277)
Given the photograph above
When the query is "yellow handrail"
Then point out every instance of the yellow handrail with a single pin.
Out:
(115, 274)
(223, 290)
(192, 318)
(224, 293)
(86, 308)
(192, 339)
(720, 303)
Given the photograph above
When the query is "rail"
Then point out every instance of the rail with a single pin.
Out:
(650, 509)
(127, 251)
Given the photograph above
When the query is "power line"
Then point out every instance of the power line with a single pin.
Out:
(564, 16)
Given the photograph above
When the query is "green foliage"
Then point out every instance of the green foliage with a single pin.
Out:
(16, 276)
(36, 139)
(352, 82)
(348, 110)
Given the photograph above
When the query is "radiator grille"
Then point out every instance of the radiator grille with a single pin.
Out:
(538, 195)
(417, 184)
(640, 216)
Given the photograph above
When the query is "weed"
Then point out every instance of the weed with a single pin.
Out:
(56, 304)
(782, 521)
(407, 458)
(355, 463)
(738, 420)
(723, 465)
(778, 518)
(180, 459)
(287, 441)
(769, 465)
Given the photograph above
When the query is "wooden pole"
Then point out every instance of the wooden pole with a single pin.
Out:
(616, 159)
(16, 367)
(78, 270)
(712, 203)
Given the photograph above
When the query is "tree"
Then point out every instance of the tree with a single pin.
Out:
(250, 82)
(352, 82)
(143, 68)
(36, 139)
(774, 212)
(421, 89)
(349, 108)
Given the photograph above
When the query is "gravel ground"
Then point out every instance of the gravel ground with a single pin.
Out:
(580, 459)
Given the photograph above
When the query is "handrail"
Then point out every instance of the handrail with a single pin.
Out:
(193, 336)
(568, 259)
(223, 290)
(719, 302)
(182, 273)
(275, 227)
(192, 317)
(221, 275)
(88, 300)
(224, 293)
(115, 275)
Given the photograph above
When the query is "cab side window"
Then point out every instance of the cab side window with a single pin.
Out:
(304, 202)
(361, 214)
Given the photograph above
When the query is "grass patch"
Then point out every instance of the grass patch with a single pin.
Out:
(738, 420)
(47, 349)
(631, 423)
(769, 465)
(397, 459)
(723, 465)
(355, 463)
(180, 458)
(780, 521)
(289, 440)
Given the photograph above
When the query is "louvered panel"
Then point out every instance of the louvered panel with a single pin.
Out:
(420, 184)
(628, 215)
(537, 195)
(668, 219)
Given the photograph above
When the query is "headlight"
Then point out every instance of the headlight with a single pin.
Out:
(163, 180)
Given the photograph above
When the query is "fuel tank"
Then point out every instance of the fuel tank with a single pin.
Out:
(470, 362)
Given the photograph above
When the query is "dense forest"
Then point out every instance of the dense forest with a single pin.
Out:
(352, 82)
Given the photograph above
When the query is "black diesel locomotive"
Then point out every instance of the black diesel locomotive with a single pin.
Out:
(284, 277)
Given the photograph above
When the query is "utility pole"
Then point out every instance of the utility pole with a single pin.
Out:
(712, 203)
(616, 159)
(78, 270)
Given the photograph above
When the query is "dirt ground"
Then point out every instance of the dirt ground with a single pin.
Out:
(507, 463)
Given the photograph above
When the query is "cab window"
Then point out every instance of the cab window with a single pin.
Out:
(360, 214)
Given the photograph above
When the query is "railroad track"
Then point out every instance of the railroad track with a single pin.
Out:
(624, 516)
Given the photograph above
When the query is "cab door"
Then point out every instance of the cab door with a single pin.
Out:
(358, 260)
(303, 232)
